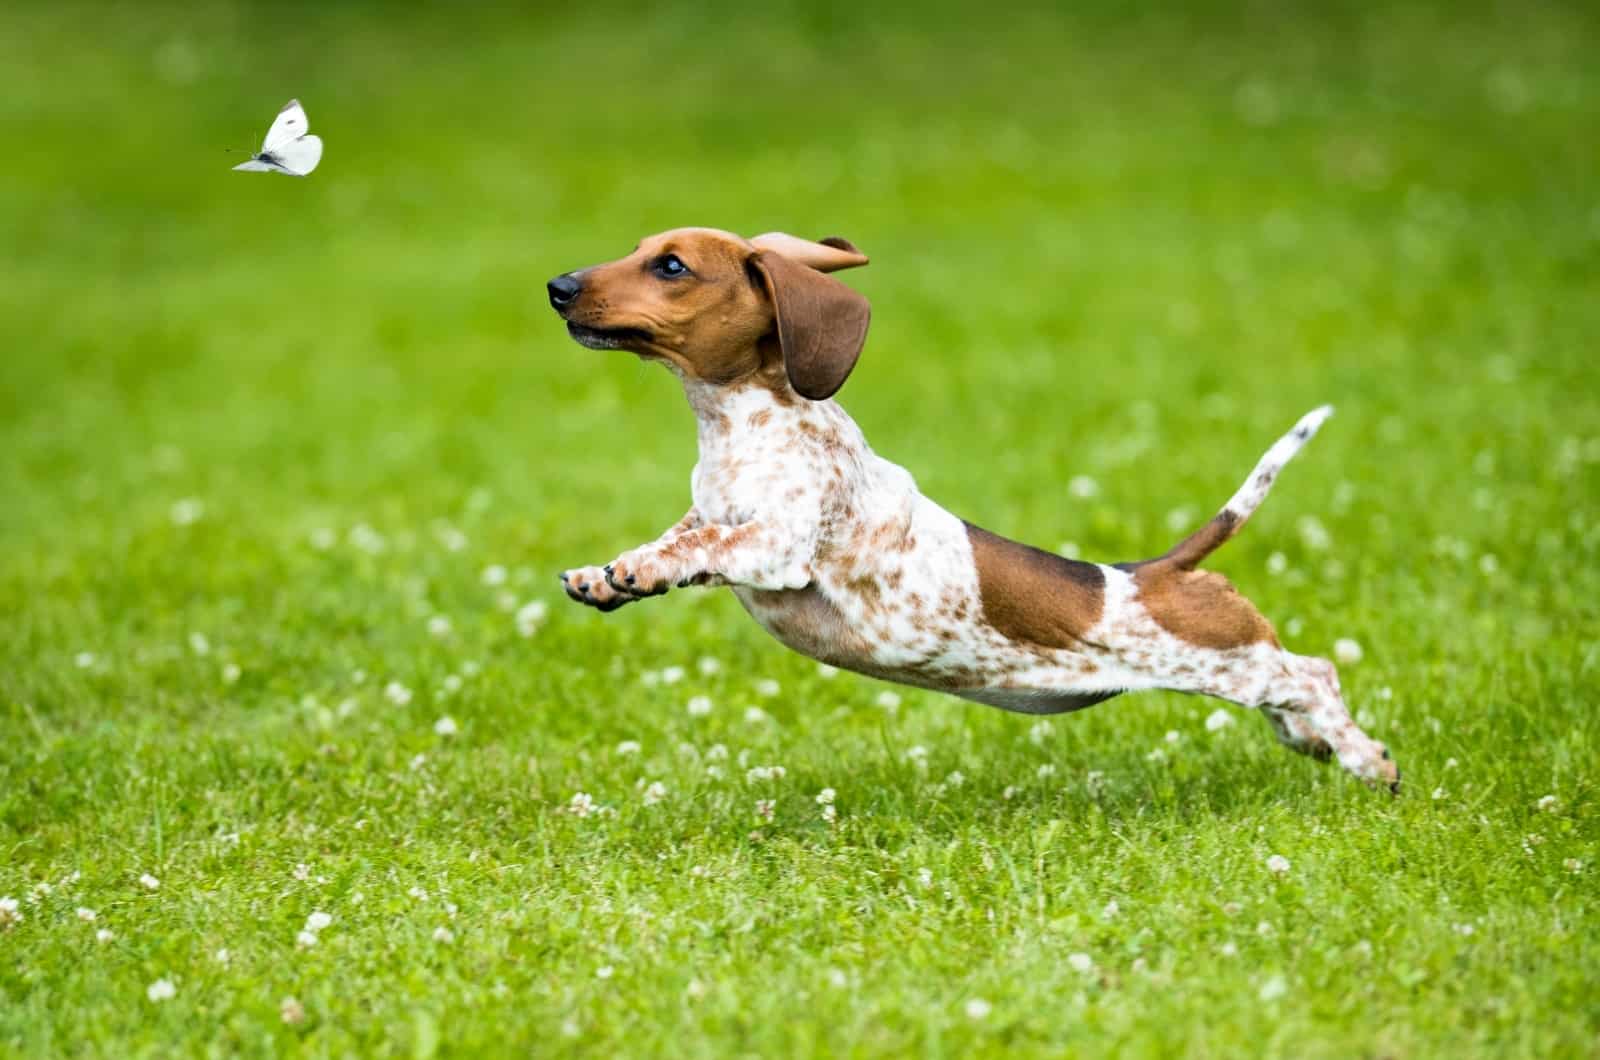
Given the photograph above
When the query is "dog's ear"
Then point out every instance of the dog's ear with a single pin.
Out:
(828, 255)
(822, 324)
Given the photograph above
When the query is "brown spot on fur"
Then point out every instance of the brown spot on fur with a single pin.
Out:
(1033, 596)
(1200, 607)
(760, 419)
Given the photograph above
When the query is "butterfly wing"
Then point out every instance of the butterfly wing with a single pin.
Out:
(256, 165)
(299, 157)
(290, 124)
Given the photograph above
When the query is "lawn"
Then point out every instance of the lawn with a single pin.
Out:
(288, 469)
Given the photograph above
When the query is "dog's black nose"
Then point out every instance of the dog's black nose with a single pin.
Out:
(563, 289)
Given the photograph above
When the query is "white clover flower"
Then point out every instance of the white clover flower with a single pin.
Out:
(605, 971)
(925, 878)
(654, 793)
(1110, 911)
(302, 872)
(672, 675)
(917, 754)
(291, 1011)
(1081, 962)
(222, 956)
(1010, 792)
(446, 726)
(451, 684)
(187, 512)
(84, 659)
(582, 804)
(764, 809)
(830, 813)
(1156, 755)
(1347, 651)
(716, 752)
(767, 687)
(1451, 763)
(1548, 803)
(955, 779)
(305, 940)
(161, 990)
(10, 915)
(628, 747)
(765, 773)
(1046, 771)
(104, 935)
(443, 934)
(1465, 930)
(1278, 864)
(699, 706)
(1572, 865)
(199, 644)
(825, 797)
(978, 1009)
(231, 673)
(698, 871)
(1273, 989)
(530, 616)
(695, 990)
(1082, 487)
(837, 979)
(418, 893)
(1277, 563)
(318, 920)
(1173, 736)
(755, 715)
(439, 626)
(323, 538)
(708, 666)
(1313, 534)
(826, 672)
(715, 772)
(889, 701)
(1265, 929)
(1439, 794)
(493, 575)
(149, 882)
(1228, 949)
(1069, 550)
(397, 693)
(1038, 732)
(1218, 720)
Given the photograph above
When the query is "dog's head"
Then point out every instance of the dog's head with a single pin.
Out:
(721, 309)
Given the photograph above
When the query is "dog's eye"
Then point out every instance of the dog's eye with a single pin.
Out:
(669, 266)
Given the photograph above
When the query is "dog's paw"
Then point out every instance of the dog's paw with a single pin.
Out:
(639, 573)
(588, 585)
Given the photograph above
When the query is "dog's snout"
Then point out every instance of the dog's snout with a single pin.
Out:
(564, 289)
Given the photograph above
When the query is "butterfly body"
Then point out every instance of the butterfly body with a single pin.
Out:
(288, 148)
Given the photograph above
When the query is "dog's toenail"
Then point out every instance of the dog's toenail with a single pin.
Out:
(607, 568)
(629, 579)
(1386, 755)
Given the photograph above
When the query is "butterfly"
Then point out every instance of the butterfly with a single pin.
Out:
(288, 148)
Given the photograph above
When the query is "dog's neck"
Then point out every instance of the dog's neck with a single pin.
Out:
(729, 414)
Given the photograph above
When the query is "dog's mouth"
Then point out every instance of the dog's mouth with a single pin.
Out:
(606, 338)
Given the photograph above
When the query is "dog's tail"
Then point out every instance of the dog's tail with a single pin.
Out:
(1188, 553)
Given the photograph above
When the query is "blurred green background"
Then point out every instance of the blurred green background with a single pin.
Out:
(1127, 243)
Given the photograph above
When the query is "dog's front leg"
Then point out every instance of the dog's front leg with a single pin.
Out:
(756, 554)
(589, 585)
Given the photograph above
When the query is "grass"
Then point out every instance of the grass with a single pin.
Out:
(301, 419)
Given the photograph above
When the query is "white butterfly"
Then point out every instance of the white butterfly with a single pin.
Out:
(288, 148)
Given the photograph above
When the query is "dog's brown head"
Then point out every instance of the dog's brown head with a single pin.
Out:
(721, 309)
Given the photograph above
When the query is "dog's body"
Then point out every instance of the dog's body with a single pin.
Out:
(839, 556)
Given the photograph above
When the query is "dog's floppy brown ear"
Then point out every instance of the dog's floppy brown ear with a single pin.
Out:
(827, 255)
(822, 324)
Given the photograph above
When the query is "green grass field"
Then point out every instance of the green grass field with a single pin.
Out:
(276, 454)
